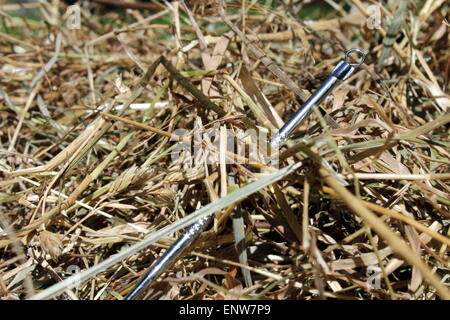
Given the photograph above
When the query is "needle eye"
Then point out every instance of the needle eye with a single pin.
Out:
(361, 55)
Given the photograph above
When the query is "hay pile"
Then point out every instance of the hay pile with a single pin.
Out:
(89, 128)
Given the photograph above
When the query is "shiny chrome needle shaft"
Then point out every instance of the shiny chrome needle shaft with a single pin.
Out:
(341, 72)
(185, 241)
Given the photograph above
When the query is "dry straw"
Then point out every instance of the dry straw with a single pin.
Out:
(89, 181)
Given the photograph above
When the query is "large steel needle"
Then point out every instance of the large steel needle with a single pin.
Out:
(341, 72)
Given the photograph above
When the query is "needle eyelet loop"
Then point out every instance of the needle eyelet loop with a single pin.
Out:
(360, 53)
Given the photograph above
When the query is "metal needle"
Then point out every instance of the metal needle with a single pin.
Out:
(185, 241)
(341, 72)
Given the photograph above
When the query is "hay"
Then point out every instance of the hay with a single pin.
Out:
(91, 193)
